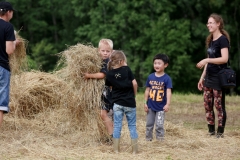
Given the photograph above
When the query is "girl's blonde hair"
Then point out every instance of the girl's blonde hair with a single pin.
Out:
(116, 58)
(218, 19)
(105, 42)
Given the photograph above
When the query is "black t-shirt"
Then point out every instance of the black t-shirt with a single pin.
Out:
(122, 88)
(6, 34)
(214, 51)
(104, 66)
(107, 94)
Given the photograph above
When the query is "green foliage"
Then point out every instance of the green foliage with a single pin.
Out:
(140, 28)
(44, 55)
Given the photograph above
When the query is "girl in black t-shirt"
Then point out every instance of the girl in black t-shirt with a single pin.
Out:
(217, 44)
(124, 90)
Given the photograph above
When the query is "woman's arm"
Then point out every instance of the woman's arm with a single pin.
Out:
(202, 78)
(220, 60)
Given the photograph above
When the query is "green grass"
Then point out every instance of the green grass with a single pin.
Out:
(189, 111)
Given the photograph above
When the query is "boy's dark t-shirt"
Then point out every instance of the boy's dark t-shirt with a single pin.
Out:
(107, 94)
(6, 34)
(104, 66)
(122, 88)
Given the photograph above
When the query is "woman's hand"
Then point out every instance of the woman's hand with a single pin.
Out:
(200, 84)
(202, 63)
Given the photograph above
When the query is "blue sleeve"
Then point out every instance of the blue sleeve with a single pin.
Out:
(169, 82)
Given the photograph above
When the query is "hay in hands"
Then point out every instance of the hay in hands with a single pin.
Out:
(77, 60)
(18, 60)
(33, 92)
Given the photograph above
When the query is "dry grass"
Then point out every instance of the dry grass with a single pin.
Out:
(18, 60)
(56, 116)
(35, 93)
(40, 138)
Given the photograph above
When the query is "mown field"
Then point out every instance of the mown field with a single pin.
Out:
(49, 136)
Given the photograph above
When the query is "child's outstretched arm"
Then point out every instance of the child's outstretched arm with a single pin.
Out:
(98, 75)
(134, 82)
(169, 95)
(146, 94)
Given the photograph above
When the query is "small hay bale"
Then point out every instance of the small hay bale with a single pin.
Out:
(76, 61)
(33, 92)
(18, 60)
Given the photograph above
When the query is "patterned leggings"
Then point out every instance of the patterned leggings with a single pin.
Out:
(215, 98)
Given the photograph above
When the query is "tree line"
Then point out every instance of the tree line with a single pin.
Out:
(140, 28)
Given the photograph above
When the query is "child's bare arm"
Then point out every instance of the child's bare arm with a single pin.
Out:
(146, 94)
(169, 95)
(134, 82)
(98, 75)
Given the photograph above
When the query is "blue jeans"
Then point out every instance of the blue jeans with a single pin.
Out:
(118, 114)
(4, 89)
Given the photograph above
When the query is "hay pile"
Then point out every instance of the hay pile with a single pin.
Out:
(77, 60)
(65, 92)
(34, 92)
(18, 60)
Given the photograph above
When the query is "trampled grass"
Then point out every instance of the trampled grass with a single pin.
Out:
(185, 125)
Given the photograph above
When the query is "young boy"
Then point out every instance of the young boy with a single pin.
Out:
(157, 97)
(105, 48)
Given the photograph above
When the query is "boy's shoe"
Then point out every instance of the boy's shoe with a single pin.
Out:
(148, 139)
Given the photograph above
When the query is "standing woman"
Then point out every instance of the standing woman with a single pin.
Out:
(217, 44)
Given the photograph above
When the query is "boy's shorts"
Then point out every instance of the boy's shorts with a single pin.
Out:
(4, 89)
